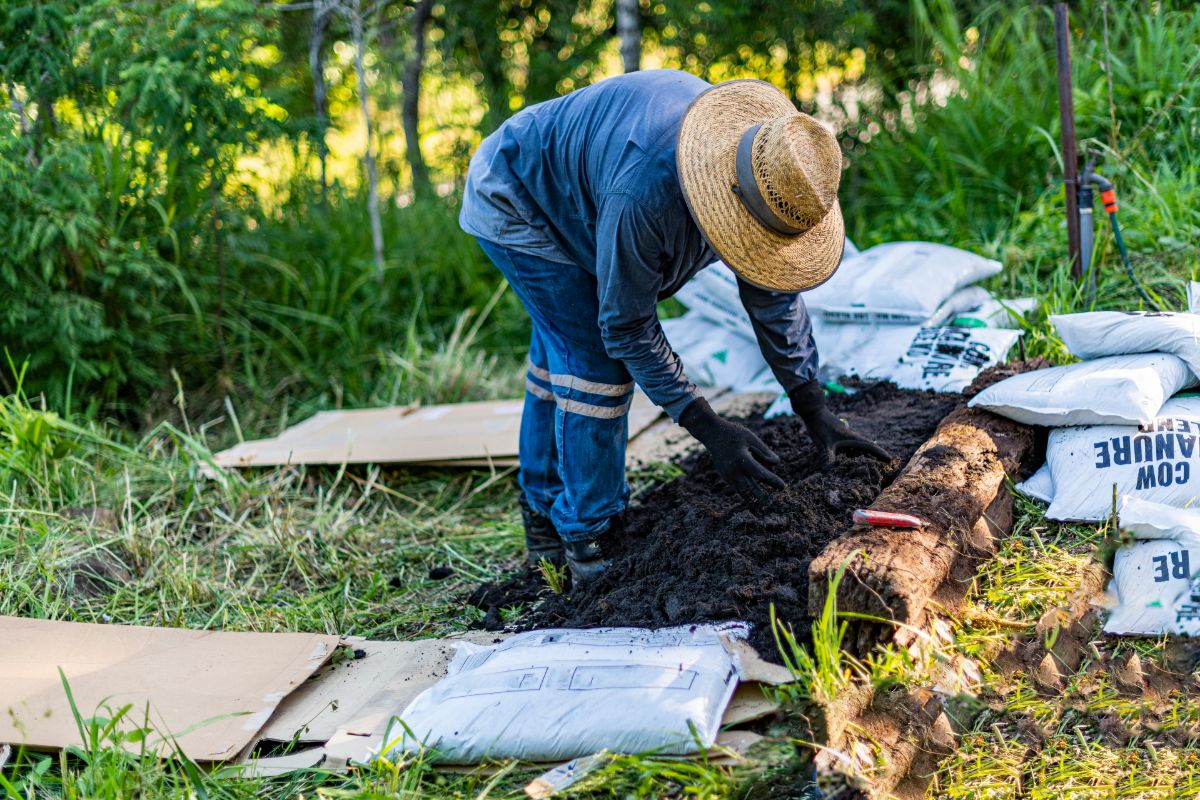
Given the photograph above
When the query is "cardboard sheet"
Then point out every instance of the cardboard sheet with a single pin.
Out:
(457, 434)
(360, 696)
(212, 690)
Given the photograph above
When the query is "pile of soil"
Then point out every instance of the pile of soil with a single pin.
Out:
(692, 551)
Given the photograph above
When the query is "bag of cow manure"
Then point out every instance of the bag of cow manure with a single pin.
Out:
(898, 282)
(1157, 462)
(1117, 390)
(941, 359)
(1109, 333)
(1152, 587)
(947, 359)
(557, 694)
(1039, 485)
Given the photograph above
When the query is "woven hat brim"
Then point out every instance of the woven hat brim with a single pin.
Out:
(706, 155)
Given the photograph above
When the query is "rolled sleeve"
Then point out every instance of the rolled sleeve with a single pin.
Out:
(629, 254)
(784, 333)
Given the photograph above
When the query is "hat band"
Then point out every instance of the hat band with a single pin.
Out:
(747, 189)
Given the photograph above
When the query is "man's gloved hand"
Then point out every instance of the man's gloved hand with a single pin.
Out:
(831, 435)
(737, 453)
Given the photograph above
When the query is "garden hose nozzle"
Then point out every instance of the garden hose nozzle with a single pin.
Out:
(1108, 196)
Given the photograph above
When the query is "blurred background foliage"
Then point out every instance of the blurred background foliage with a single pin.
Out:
(186, 201)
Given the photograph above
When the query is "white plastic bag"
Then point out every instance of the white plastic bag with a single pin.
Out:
(1108, 333)
(1039, 486)
(1147, 520)
(1117, 390)
(898, 282)
(1000, 313)
(947, 359)
(1157, 463)
(713, 295)
(960, 303)
(1152, 578)
(943, 359)
(557, 694)
(714, 355)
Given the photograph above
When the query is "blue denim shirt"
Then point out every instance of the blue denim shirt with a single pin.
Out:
(589, 180)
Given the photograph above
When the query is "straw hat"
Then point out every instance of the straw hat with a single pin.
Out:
(761, 181)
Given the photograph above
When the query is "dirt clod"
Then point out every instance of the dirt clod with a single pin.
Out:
(693, 552)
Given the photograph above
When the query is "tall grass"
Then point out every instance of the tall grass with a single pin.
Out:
(978, 165)
(309, 324)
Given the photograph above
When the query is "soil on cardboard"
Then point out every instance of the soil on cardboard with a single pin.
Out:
(692, 551)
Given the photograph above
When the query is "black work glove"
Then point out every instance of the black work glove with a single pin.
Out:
(830, 434)
(737, 453)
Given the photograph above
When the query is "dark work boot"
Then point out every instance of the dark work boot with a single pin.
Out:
(541, 540)
(590, 558)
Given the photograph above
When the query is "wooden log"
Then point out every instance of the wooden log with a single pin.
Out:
(955, 481)
(881, 744)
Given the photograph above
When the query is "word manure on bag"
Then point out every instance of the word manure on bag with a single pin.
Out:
(1164, 449)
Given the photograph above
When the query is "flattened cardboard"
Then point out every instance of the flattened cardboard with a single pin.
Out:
(749, 703)
(457, 434)
(276, 765)
(212, 690)
(354, 694)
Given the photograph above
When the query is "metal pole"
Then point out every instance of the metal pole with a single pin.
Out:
(1066, 112)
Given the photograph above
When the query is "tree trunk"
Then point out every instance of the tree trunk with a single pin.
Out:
(360, 47)
(629, 32)
(218, 243)
(316, 66)
(411, 109)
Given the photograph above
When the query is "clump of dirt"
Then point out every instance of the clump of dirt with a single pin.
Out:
(692, 551)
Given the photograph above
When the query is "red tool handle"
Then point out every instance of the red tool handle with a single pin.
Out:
(887, 519)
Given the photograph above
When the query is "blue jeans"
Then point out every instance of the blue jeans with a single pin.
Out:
(575, 424)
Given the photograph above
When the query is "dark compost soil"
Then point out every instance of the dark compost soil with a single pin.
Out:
(693, 552)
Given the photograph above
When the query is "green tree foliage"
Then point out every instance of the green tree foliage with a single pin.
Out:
(520, 52)
(114, 174)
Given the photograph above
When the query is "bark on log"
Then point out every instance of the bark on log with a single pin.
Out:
(316, 67)
(955, 482)
(906, 733)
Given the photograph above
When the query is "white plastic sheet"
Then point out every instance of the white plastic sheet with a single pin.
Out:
(1117, 390)
(715, 355)
(558, 694)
